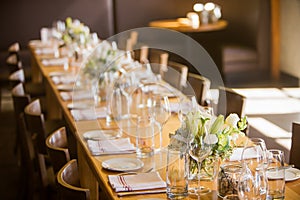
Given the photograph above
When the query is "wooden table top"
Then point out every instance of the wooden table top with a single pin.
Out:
(181, 25)
(92, 164)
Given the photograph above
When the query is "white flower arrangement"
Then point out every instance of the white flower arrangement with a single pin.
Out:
(75, 32)
(222, 134)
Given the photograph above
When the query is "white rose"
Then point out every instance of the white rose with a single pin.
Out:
(232, 120)
(211, 139)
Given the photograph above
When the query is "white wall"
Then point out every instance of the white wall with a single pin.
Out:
(290, 37)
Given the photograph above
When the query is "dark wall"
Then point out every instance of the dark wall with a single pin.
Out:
(21, 20)
(248, 21)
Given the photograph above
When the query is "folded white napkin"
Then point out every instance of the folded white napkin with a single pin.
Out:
(140, 181)
(114, 146)
(49, 50)
(88, 114)
(174, 107)
(76, 95)
(237, 154)
(55, 61)
(66, 79)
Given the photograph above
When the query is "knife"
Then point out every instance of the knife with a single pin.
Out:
(121, 194)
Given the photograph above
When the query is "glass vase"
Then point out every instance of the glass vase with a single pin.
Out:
(209, 171)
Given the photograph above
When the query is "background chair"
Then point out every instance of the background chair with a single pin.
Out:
(28, 162)
(40, 129)
(20, 101)
(34, 89)
(176, 75)
(37, 124)
(57, 146)
(69, 184)
(199, 86)
(235, 102)
(295, 148)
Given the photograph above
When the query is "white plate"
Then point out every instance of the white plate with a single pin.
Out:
(291, 174)
(79, 105)
(122, 164)
(65, 87)
(58, 73)
(101, 134)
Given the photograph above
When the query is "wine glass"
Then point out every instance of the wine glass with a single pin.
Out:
(161, 112)
(200, 147)
(187, 104)
(147, 101)
(253, 180)
(261, 143)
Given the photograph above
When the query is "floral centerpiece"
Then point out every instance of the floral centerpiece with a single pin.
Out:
(75, 32)
(223, 133)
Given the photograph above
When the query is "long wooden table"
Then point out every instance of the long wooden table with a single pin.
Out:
(92, 175)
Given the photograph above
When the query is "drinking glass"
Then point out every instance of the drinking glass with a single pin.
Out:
(276, 175)
(187, 104)
(146, 101)
(261, 143)
(199, 149)
(144, 137)
(253, 181)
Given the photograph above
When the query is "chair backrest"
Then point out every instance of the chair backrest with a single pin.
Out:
(295, 147)
(13, 62)
(158, 60)
(176, 75)
(197, 85)
(14, 48)
(36, 124)
(69, 183)
(20, 99)
(235, 102)
(16, 77)
(57, 146)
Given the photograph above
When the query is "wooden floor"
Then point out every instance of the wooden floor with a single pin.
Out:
(269, 124)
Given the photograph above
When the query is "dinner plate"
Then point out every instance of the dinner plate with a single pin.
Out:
(291, 174)
(101, 134)
(122, 164)
(65, 87)
(58, 73)
(79, 105)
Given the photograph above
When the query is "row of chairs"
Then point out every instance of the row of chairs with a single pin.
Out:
(41, 140)
(42, 143)
(189, 83)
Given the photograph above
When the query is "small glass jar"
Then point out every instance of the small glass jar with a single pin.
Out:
(228, 179)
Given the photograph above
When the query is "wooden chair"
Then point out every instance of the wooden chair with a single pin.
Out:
(69, 184)
(28, 161)
(230, 102)
(295, 148)
(158, 60)
(57, 146)
(34, 89)
(197, 85)
(37, 124)
(20, 101)
(13, 62)
(176, 75)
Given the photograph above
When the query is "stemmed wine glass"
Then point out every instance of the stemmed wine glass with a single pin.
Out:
(146, 100)
(200, 147)
(161, 112)
(187, 104)
(253, 180)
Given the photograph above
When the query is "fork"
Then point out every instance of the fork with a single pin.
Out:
(127, 173)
